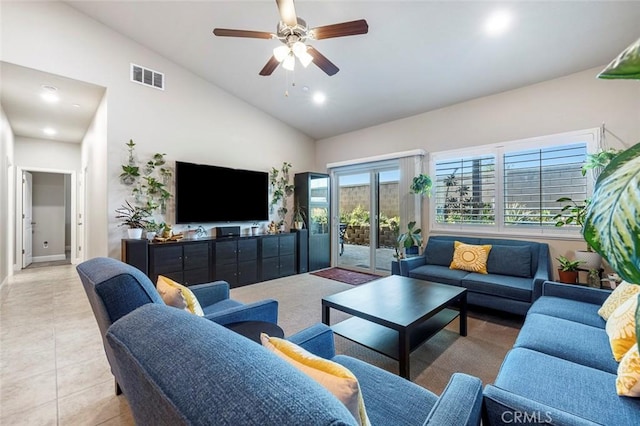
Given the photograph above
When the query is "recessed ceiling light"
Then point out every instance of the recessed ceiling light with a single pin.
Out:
(497, 23)
(319, 97)
(75, 105)
(49, 94)
(49, 131)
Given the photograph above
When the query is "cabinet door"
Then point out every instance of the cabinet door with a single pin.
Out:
(247, 249)
(226, 252)
(166, 259)
(287, 244)
(269, 246)
(287, 265)
(247, 272)
(196, 255)
(270, 268)
(195, 276)
(227, 272)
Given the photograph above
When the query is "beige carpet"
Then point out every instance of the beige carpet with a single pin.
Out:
(490, 334)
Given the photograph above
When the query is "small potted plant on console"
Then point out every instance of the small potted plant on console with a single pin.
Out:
(568, 270)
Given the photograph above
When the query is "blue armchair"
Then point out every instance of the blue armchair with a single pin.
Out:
(115, 288)
(196, 372)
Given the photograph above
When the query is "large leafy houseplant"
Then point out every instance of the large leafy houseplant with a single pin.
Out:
(612, 221)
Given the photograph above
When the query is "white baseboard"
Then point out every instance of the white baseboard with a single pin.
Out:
(50, 258)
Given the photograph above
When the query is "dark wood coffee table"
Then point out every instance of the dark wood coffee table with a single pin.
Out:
(396, 314)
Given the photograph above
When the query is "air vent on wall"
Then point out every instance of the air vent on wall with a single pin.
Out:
(147, 76)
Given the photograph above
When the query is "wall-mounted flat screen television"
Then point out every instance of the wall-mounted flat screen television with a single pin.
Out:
(206, 193)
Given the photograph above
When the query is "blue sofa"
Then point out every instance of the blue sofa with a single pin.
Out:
(180, 369)
(517, 269)
(561, 370)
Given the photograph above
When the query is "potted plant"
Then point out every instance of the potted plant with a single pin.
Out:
(298, 217)
(151, 229)
(568, 270)
(411, 240)
(574, 214)
(134, 217)
(421, 185)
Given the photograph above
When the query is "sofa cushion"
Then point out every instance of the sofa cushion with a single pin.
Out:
(403, 401)
(469, 257)
(334, 377)
(621, 328)
(439, 252)
(189, 298)
(499, 285)
(583, 391)
(510, 260)
(572, 310)
(621, 293)
(439, 274)
(568, 340)
(628, 381)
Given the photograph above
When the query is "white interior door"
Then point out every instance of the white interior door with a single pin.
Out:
(27, 219)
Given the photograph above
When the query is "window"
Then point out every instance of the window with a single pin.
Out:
(465, 190)
(511, 187)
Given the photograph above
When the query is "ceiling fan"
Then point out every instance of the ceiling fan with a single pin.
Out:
(293, 32)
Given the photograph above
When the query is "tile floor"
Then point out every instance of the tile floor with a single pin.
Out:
(53, 370)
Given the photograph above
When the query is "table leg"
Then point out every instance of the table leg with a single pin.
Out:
(403, 358)
(325, 314)
(463, 314)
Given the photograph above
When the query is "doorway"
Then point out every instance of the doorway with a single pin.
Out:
(368, 208)
(45, 212)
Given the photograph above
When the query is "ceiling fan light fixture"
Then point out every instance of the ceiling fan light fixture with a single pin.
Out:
(299, 48)
(305, 59)
(289, 62)
(280, 53)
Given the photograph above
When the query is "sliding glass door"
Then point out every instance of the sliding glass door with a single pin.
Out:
(367, 216)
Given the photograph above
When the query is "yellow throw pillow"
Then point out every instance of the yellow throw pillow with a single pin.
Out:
(621, 328)
(336, 378)
(468, 257)
(628, 381)
(167, 288)
(621, 293)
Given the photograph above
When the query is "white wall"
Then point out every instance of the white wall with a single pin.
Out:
(192, 120)
(578, 101)
(7, 192)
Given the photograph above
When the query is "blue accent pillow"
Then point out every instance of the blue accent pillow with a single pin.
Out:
(510, 260)
(439, 252)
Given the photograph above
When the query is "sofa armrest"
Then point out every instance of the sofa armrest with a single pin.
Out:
(264, 310)
(459, 404)
(317, 339)
(544, 271)
(210, 293)
(575, 292)
(410, 263)
(503, 407)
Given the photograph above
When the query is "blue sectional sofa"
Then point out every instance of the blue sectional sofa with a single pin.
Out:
(180, 369)
(516, 269)
(561, 370)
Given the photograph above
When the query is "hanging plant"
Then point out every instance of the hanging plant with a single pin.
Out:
(421, 185)
(281, 189)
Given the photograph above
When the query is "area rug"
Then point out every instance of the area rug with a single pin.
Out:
(346, 276)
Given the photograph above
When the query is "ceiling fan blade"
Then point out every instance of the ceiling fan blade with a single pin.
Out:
(223, 32)
(270, 66)
(322, 62)
(340, 30)
(287, 12)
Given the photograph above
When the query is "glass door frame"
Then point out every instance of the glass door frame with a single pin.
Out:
(373, 170)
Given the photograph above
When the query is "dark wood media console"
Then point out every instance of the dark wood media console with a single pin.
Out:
(237, 260)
